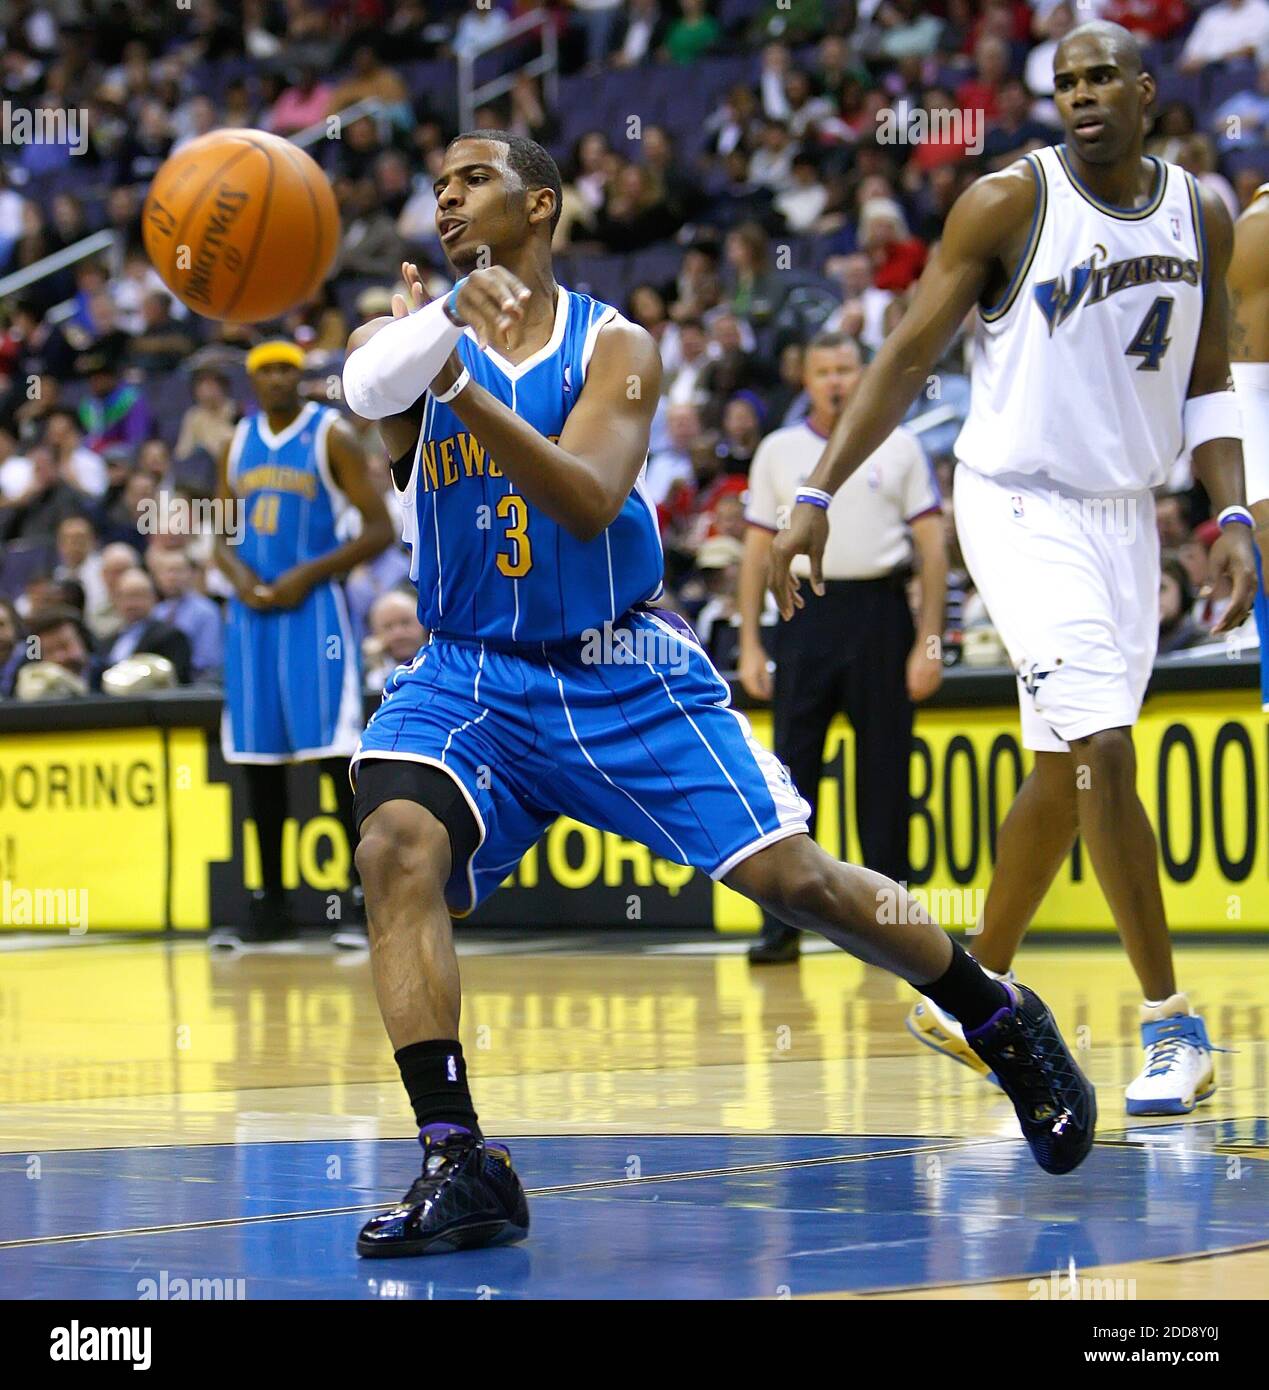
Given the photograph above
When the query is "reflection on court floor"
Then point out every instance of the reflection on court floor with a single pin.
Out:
(176, 1127)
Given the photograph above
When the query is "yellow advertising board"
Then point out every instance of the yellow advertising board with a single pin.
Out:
(135, 829)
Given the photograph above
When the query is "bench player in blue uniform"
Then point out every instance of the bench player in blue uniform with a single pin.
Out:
(294, 475)
(551, 684)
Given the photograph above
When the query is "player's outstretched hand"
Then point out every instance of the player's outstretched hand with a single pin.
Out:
(1231, 556)
(418, 296)
(492, 301)
(806, 534)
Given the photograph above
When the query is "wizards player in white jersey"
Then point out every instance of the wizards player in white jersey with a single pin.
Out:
(1249, 361)
(1100, 350)
(550, 686)
(294, 478)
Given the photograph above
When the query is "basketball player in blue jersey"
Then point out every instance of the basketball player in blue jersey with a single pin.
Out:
(551, 684)
(1100, 351)
(294, 477)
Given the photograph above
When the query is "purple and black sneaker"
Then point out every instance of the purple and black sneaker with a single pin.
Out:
(468, 1195)
(1056, 1104)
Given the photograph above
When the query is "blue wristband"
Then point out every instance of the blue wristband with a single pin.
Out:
(451, 300)
(1239, 514)
(813, 496)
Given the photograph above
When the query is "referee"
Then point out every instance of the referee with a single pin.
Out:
(854, 650)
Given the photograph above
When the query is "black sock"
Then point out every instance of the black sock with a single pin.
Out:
(966, 991)
(435, 1078)
(266, 805)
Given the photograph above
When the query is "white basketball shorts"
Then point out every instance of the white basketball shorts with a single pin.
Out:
(1072, 585)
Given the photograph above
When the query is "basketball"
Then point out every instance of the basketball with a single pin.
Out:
(241, 225)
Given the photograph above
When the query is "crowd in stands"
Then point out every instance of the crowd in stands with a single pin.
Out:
(732, 177)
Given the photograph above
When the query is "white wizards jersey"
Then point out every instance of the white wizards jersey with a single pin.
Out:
(1080, 370)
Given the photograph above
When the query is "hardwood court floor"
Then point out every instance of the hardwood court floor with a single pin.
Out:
(686, 1126)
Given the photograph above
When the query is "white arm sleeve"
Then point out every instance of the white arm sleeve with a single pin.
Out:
(1251, 385)
(386, 375)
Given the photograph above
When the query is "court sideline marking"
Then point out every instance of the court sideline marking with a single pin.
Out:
(562, 1189)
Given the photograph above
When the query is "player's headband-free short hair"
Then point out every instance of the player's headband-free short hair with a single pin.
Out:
(527, 159)
(266, 354)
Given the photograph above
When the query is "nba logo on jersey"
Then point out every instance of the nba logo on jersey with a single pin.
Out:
(1016, 503)
(1175, 223)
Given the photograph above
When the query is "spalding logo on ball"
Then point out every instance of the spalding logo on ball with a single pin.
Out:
(241, 225)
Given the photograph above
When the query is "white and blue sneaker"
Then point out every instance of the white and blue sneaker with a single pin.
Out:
(1178, 1073)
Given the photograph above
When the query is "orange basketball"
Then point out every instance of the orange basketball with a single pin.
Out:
(241, 225)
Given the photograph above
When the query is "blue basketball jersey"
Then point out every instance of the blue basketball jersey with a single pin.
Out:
(487, 563)
(292, 509)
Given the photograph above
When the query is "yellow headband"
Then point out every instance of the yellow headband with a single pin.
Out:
(267, 353)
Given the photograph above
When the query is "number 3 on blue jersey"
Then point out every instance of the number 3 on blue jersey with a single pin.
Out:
(518, 563)
(1152, 338)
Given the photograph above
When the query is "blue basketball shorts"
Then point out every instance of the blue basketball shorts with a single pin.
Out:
(292, 682)
(629, 729)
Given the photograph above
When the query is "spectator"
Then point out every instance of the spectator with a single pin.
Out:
(991, 67)
(682, 383)
(634, 214)
(15, 468)
(802, 204)
(162, 343)
(142, 630)
(676, 189)
(598, 21)
(670, 468)
(771, 164)
(304, 103)
(79, 559)
(897, 257)
(1177, 628)
(59, 639)
(45, 501)
(734, 125)
(395, 636)
(373, 79)
(370, 239)
(1014, 132)
(184, 608)
(112, 412)
(1196, 156)
(854, 276)
(477, 29)
(12, 645)
(1054, 26)
(640, 34)
(718, 622)
(1150, 20)
(756, 292)
(695, 33)
(805, 111)
(1242, 122)
(1228, 29)
(1173, 126)
(117, 558)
